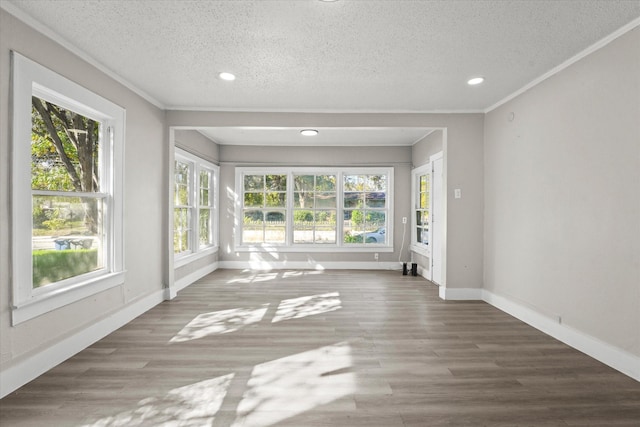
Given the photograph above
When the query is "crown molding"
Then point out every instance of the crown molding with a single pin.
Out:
(48, 32)
(566, 64)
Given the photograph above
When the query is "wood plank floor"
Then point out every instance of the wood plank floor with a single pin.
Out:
(332, 348)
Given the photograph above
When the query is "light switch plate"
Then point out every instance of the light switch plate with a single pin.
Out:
(457, 193)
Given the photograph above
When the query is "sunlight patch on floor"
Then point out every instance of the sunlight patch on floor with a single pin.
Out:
(295, 384)
(192, 405)
(219, 322)
(296, 308)
(254, 277)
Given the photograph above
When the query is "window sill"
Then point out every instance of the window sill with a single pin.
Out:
(187, 259)
(50, 301)
(421, 250)
(314, 248)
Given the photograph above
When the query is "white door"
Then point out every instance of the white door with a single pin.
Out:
(437, 209)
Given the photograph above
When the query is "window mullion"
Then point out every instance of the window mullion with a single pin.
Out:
(193, 207)
(340, 209)
(289, 207)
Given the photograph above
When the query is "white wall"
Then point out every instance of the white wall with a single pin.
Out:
(196, 143)
(562, 197)
(28, 347)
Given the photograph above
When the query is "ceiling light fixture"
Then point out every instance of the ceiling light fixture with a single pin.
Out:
(475, 81)
(227, 76)
(309, 132)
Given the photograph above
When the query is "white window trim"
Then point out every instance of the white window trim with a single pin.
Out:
(30, 78)
(426, 169)
(289, 246)
(195, 252)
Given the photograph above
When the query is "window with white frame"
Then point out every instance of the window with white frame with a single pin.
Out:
(264, 208)
(195, 205)
(67, 191)
(316, 209)
(421, 195)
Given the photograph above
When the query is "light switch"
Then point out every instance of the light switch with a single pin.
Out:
(457, 193)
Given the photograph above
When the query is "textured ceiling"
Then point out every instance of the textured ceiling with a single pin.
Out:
(368, 136)
(346, 55)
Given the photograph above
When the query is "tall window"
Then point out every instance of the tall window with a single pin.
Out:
(67, 183)
(265, 207)
(422, 209)
(314, 208)
(183, 200)
(365, 206)
(206, 207)
(195, 190)
(68, 205)
(421, 194)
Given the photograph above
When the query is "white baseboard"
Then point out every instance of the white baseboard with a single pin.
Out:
(185, 281)
(24, 371)
(460, 294)
(310, 265)
(612, 356)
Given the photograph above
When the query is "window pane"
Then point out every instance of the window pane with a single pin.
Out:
(64, 149)
(375, 200)
(276, 200)
(326, 183)
(304, 182)
(422, 235)
(253, 227)
(204, 197)
(300, 216)
(275, 225)
(325, 227)
(424, 183)
(424, 201)
(325, 200)
(181, 228)
(375, 233)
(303, 226)
(181, 189)
(66, 237)
(303, 200)
(205, 227)
(375, 219)
(353, 230)
(254, 182)
(352, 226)
(375, 182)
(253, 199)
(205, 178)
(205, 181)
(422, 217)
(353, 183)
(353, 200)
(276, 183)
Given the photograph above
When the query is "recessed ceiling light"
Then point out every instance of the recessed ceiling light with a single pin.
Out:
(309, 132)
(475, 81)
(227, 76)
